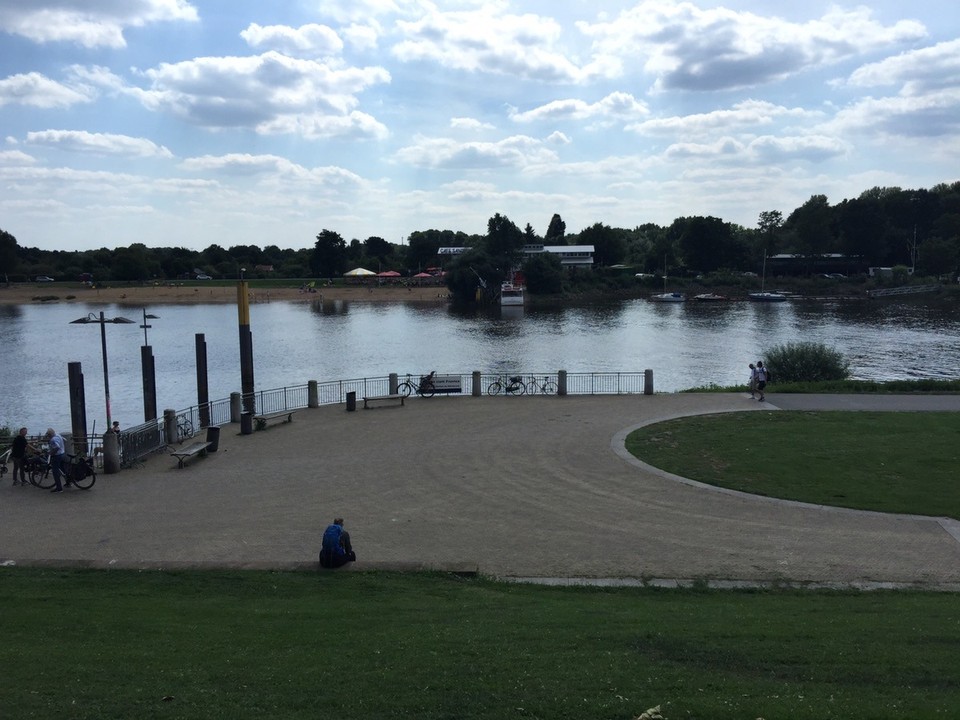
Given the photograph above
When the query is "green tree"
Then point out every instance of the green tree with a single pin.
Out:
(329, 255)
(609, 245)
(8, 254)
(811, 225)
(377, 247)
(544, 273)
(472, 271)
(769, 226)
(504, 240)
(556, 231)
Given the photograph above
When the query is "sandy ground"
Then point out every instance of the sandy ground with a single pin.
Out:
(30, 293)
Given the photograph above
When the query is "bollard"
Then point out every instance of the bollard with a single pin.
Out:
(648, 382)
(170, 426)
(561, 382)
(246, 423)
(236, 407)
(111, 452)
(351, 401)
(393, 385)
(477, 390)
(313, 394)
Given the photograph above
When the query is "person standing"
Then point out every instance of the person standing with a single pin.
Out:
(753, 381)
(336, 549)
(18, 453)
(58, 453)
(762, 376)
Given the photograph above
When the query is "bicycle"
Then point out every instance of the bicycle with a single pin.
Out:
(78, 469)
(513, 386)
(546, 386)
(184, 428)
(424, 388)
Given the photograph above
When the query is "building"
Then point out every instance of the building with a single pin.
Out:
(570, 255)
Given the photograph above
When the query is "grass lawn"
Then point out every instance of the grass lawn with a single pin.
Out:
(891, 462)
(218, 644)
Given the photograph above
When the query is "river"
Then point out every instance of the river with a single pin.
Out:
(686, 345)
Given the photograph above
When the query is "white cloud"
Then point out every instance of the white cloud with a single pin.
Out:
(918, 71)
(90, 23)
(15, 157)
(306, 40)
(558, 138)
(98, 143)
(518, 151)
(485, 40)
(686, 47)
(936, 114)
(272, 93)
(242, 164)
(745, 114)
(617, 105)
(361, 36)
(464, 123)
(37, 90)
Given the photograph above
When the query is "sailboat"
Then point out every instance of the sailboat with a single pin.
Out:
(766, 296)
(670, 297)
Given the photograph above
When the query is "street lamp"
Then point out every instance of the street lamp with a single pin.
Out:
(102, 321)
(143, 327)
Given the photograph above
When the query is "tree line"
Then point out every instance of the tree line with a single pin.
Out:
(882, 227)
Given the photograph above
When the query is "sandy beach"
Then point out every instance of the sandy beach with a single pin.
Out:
(35, 294)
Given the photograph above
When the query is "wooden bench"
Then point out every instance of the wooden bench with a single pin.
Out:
(192, 450)
(447, 384)
(381, 398)
(263, 418)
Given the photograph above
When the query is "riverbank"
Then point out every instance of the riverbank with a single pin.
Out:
(33, 294)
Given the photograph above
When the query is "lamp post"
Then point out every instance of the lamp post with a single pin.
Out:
(102, 321)
(148, 372)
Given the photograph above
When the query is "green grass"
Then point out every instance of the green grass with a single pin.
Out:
(846, 386)
(122, 644)
(891, 462)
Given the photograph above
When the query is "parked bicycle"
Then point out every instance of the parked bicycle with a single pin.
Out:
(513, 386)
(184, 428)
(545, 386)
(424, 388)
(78, 469)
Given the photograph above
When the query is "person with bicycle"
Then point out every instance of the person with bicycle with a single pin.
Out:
(18, 453)
(336, 549)
(58, 453)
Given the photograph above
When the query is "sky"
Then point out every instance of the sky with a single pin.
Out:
(188, 123)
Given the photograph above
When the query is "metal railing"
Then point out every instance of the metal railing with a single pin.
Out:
(141, 440)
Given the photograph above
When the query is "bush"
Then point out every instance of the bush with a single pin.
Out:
(806, 362)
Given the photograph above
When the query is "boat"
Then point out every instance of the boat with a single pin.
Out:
(709, 297)
(669, 297)
(511, 295)
(766, 296)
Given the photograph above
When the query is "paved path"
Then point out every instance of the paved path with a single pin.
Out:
(528, 487)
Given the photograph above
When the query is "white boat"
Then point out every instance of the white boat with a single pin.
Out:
(667, 297)
(673, 297)
(511, 294)
(766, 296)
(709, 297)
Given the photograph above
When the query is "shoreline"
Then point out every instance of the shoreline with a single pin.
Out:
(142, 295)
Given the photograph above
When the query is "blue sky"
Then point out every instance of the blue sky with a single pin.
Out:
(192, 122)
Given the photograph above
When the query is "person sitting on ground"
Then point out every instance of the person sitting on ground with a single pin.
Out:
(336, 549)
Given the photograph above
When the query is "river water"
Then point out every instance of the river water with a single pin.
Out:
(686, 345)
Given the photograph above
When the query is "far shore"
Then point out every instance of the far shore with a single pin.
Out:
(143, 295)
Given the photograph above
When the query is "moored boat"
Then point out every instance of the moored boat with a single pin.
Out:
(510, 294)
(767, 296)
(709, 297)
(673, 297)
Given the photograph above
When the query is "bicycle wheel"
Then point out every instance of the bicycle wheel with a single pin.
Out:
(532, 387)
(494, 388)
(550, 388)
(516, 388)
(427, 390)
(82, 475)
(42, 477)
(405, 389)
(185, 428)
